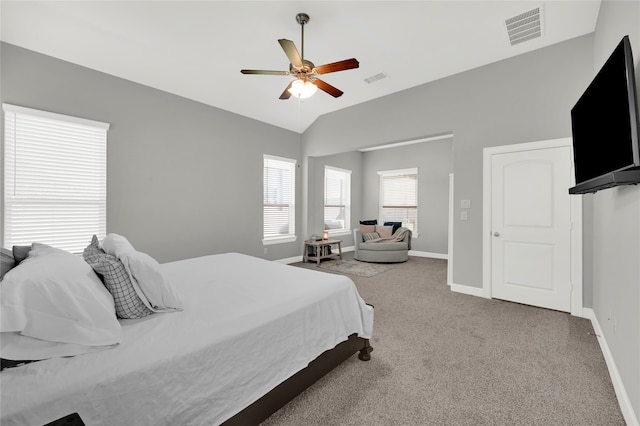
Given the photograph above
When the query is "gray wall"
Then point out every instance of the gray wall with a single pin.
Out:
(521, 99)
(434, 161)
(184, 179)
(613, 233)
(348, 161)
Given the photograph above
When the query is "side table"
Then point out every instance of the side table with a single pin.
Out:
(318, 250)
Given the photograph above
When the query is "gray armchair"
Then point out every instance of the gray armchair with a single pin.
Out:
(381, 252)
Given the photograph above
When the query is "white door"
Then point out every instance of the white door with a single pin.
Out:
(531, 227)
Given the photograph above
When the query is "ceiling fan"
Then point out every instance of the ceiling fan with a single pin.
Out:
(306, 82)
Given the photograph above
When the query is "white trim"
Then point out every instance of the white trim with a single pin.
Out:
(450, 233)
(338, 232)
(346, 180)
(337, 169)
(279, 240)
(576, 219)
(626, 407)
(54, 116)
(399, 172)
(295, 259)
(409, 142)
(289, 260)
(428, 254)
(471, 291)
(283, 159)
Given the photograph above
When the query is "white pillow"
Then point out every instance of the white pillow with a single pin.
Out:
(145, 274)
(56, 296)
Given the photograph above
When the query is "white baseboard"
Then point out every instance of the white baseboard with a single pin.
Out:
(471, 291)
(626, 407)
(295, 259)
(428, 254)
(289, 260)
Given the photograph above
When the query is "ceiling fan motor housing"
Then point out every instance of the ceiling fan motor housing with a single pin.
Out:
(302, 18)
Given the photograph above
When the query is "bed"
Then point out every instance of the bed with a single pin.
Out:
(252, 335)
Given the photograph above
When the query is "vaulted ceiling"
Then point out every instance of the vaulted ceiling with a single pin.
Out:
(196, 49)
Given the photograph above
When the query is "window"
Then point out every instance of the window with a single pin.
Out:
(279, 183)
(337, 199)
(55, 179)
(399, 197)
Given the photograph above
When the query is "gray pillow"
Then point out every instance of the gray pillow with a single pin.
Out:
(7, 262)
(116, 279)
(20, 253)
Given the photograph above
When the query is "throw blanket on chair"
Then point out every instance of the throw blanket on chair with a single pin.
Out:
(398, 236)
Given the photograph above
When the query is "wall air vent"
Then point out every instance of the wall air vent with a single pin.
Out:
(376, 77)
(526, 26)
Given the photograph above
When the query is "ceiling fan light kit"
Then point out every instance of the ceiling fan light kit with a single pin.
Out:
(306, 82)
(302, 89)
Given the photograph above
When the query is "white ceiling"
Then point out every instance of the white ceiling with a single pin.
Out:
(196, 49)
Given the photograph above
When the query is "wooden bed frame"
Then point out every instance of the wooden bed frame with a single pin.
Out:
(286, 391)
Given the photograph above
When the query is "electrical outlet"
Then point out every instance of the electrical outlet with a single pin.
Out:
(463, 215)
(266, 250)
(465, 204)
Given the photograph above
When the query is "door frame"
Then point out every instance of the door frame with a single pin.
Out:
(576, 218)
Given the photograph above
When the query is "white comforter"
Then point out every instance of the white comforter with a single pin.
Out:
(247, 325)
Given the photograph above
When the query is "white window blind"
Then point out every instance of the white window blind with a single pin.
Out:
(279, 199)
(55, 179)
(399, 197)
(337, 199)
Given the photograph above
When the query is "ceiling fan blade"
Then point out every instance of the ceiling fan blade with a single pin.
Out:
(291, 51)
(264, 72)
(286, 94)
(326, 87)
(347, 64)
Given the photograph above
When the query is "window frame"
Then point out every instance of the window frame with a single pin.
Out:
(29, 189)
(346, 182)
(291, 168)
(381, 206)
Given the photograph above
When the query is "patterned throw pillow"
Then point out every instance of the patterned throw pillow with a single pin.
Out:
(368, 236)
(116, 280)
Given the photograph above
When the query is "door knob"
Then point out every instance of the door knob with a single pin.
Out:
(496, 234)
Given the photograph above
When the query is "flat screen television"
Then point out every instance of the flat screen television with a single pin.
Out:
(605, 127)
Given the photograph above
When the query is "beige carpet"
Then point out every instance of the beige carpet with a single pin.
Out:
(443, 358)
(354, 267)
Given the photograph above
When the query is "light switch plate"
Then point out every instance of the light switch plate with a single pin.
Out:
(465, 204)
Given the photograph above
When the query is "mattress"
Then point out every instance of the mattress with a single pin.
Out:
(248, 324)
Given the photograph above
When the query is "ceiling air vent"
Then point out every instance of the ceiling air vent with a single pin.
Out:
(376, 77)
(525, 26)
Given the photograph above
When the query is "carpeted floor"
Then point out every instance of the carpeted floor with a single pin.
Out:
(443, 358)
(354, 267)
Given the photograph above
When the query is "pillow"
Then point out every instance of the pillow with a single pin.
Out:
(55, 296)
(20, 253)
(395, 225)
(384, 231)
(145, 274)
(370, 236)
(7, 262)
(367, 228)
(369, 222)
(115, 278)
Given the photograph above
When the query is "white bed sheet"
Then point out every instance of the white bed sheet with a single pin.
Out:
(248, 324)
